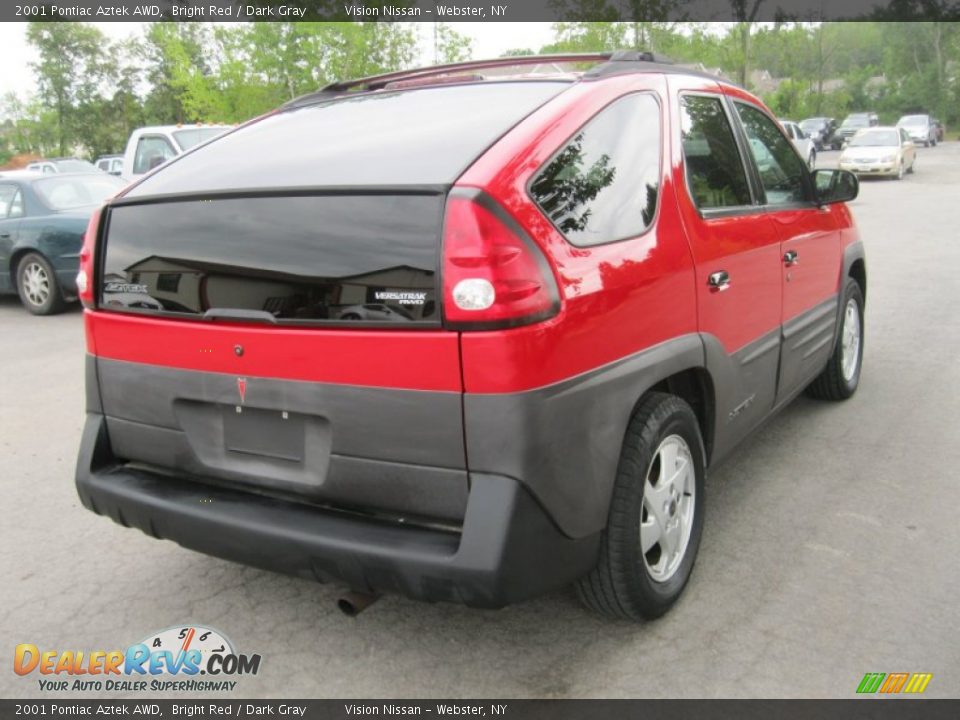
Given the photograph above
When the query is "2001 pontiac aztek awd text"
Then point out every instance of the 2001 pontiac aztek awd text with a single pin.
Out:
(464, 338)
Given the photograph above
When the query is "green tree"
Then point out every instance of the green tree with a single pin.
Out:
(69, 72)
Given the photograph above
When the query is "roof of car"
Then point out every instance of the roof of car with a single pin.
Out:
(605, 64)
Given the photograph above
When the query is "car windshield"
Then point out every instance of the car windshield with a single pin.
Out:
(72, 166)
(913, 120)
(189, 137)
(884, 138)
(64, 193)
(856, 121)
(808, 125)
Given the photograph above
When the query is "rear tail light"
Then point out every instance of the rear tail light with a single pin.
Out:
(85, 276)
(493, 275)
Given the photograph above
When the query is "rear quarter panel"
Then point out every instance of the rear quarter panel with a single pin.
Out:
(617, 299)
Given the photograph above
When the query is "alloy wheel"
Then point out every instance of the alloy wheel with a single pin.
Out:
(850, 340)
(666, 517)
(36, 284)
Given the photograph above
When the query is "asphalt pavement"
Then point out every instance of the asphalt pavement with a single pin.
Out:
(831, 546)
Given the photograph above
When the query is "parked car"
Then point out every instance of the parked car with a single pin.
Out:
(822, 130)
(801, 141)
(582, 352)
(855, 122)
(884, 151)
(150, 147)
(920, 128)
(42, 221)
(112, 164)
(61, 165)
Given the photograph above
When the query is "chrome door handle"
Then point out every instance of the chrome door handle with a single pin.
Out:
(719, 281)
(790, 257)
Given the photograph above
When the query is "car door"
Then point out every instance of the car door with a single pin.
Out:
(809, 246)
(736, 253)
(11, 210)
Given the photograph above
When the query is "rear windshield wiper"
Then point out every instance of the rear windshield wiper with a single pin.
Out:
(239, 314)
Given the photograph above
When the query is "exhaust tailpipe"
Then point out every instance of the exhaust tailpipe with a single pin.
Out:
(353, 603)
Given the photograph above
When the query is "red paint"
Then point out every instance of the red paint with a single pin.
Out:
(616, 299)
(410, 360)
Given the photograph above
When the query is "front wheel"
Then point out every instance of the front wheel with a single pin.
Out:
(656, 514)
(37, 285)
(841, 377)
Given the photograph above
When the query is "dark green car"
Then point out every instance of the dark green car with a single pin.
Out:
(42, 221)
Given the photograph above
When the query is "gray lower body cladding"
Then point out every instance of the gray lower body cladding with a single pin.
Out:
(508, 549)
(525, 518)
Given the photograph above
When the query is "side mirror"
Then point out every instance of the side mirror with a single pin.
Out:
(833, 186)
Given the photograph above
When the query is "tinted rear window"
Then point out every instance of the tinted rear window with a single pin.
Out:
(423, 136)
(369, 259)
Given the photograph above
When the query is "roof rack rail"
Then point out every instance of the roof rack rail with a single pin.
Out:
(377, 82)
(610, 61)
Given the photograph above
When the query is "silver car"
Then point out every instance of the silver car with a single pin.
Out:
(801, 141)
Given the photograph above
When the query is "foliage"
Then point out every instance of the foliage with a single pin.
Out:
(92, 92)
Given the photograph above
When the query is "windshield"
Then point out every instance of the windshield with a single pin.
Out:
(913, 120)
(856, 121)
(186, 139)
(885, 138)
(64, 193)
(71, 166)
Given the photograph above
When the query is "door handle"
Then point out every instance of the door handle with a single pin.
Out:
(4, 236)
(719, 281)
(790, 257)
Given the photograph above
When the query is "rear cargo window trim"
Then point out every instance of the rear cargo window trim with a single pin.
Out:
(441, 190)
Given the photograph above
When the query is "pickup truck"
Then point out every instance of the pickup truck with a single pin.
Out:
(150, 147)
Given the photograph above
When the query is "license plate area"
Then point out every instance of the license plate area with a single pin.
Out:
(264, 433)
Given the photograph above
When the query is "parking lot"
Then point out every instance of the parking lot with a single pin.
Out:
(830, 549)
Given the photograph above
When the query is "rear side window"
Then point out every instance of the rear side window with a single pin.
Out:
(715, 172)
(603, 185)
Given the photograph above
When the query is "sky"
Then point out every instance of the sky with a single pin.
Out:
(489, 40)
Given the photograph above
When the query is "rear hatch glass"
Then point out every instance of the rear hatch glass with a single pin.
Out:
(420, 136)
(308, 258)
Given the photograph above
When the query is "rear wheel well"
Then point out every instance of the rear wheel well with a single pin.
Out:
(858, 271)
(694, 387)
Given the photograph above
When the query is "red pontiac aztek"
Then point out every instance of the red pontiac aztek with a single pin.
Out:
(462, 334)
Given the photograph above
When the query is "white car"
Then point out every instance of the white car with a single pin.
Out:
(801, 141)
(884, 151)
(150, 147)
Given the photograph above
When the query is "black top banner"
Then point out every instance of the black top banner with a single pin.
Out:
(497, 709)
(480, 10)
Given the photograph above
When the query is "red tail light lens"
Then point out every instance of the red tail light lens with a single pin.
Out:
(85, 276)
(493, 277)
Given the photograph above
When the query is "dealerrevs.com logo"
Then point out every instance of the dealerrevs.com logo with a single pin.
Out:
(179, 659)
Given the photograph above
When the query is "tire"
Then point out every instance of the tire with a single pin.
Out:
(626, 583)
(900, 172)
(910, 169)
(839, 381)
(37, 285)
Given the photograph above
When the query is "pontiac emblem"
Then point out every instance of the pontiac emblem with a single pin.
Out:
(242, 389)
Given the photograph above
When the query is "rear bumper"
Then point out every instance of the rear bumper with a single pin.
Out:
(509, 550)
